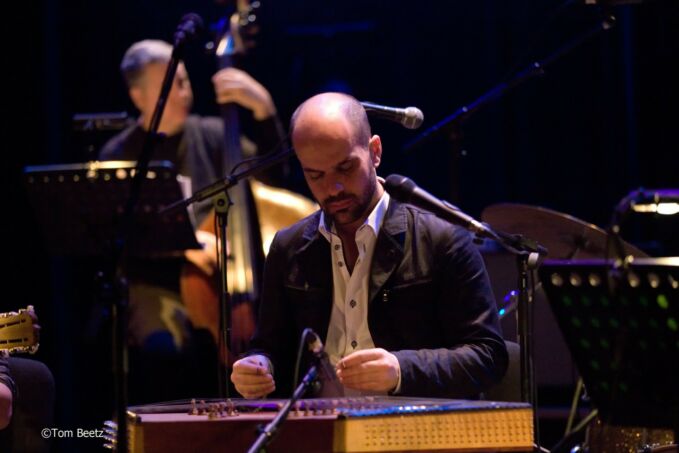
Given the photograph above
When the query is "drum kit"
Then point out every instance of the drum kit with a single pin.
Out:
(564, 236)
(570, 239)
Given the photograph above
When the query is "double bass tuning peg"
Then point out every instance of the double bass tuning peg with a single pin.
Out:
(248, 16)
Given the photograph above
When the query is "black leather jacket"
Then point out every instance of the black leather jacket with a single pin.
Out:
(431, 303)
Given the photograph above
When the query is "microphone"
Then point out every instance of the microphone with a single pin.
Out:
(405, 190)
(315, 345)
(409, 117)
(189, 26)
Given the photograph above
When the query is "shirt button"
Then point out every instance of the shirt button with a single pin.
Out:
(352, 303)
(337, 246)
(354, 344)
(340, 264)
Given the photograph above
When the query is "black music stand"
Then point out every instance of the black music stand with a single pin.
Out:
(79, 207)
(622, 328)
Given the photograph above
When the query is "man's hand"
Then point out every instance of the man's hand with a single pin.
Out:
(252, 377)
(234, 85)
(369, 369)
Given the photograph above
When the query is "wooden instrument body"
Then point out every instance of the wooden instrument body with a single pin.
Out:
(18, 334)
(341, 425)
(277, 209)
(257, 210)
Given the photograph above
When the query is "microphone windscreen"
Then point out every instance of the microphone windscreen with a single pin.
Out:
(193, 21)
(400, 187)
(190, 26)
(414, 118)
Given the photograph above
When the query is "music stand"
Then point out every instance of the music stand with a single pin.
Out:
(622, 329)
(80, 205)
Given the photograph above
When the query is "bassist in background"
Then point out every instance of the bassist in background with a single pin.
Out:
(169, 358)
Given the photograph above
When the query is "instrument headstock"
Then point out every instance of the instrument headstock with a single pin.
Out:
(18, 333)
(239, 32)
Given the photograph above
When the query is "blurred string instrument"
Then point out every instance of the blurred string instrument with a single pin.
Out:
(18, 334)
(258, 211)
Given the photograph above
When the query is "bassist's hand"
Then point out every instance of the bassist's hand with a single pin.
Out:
(234, 85)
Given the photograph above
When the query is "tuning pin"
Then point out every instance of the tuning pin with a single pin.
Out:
(212, 412)
(110, 434)
(253, 11)
(231, 408)
(312, 408)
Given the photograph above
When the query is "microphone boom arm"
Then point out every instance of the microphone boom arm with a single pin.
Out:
(527, 251)
(537, 68)
(315, 345)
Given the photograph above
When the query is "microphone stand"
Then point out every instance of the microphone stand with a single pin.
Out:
(452, 124)
(229, 181)
(112, 284)
(218, 191)
(528, 253)
(267, 434)
(222, 203)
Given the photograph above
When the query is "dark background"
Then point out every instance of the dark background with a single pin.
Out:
(600, 122)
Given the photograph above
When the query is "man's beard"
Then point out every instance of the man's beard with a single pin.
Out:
(359, 208)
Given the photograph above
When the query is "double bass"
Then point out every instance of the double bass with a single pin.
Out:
(256, 213)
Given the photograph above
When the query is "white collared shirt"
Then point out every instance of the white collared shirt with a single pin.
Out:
(348, 330)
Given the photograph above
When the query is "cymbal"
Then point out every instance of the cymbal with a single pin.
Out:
(564, 236)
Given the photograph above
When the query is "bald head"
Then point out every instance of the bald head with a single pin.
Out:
(331, 113)
(332, 141)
